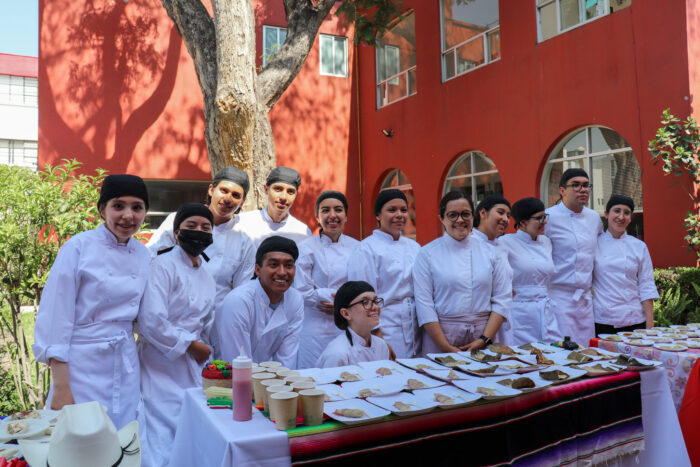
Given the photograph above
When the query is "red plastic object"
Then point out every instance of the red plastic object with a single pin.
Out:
(689, 415)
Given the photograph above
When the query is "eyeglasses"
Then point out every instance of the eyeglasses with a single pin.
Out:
(580, 186)
(542, 218)
(368, 302)
(454, 215)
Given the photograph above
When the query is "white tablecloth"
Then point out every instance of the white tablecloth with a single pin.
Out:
(212, 438)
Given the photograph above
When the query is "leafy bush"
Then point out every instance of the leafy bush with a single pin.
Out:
(679, 292)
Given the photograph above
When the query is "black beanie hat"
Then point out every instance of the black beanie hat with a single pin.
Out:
(344, 296)
(276, 243)
(487, 203)
(234, 175)
(385, 196)
(571, 173)
(189, 210)
(619, 199)
(331, 194)
(283, 175)
(524, 208)
(115, 186)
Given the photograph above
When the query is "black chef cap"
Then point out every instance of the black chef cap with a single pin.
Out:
(234, 175)
(115, 186)
(345, 296)
(571, 173)
(331, 194)
(284, 175)
(276, 243)
(189, 210)
(524, 208)
(385, 196)
(487, 203)
(619, 199)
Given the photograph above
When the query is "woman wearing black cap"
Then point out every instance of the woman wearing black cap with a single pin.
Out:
(173, 323)
(530, 257)
(84, 327)
(385, 260)
(321, 269)
(623, 276)
(230, 258)
(356, 311)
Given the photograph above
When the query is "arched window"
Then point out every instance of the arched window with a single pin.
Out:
(474, 174)
(398, 180)
(610, 163)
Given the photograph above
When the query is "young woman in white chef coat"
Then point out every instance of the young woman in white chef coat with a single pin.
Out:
(84, 327)
(356, 311)
(530, 257)
(623, 276)
(321, 269)
(231, 257)
(173, 325)
(461, 284)
(385, 260)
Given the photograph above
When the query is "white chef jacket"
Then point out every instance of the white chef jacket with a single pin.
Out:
(86, 316)
(623, 277)
(341, 352)
(245, 320)
(176, 309)
(322, 267)
(231, 255)
(574, 243)
(532, 265)
(387, 265)
(258, 225)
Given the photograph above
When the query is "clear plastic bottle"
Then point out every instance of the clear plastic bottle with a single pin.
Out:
(242, 384)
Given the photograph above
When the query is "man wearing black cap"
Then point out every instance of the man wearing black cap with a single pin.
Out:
(263, 317)
(573, 229)
(282, 188)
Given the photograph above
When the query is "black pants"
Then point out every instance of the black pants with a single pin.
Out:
(610, 329)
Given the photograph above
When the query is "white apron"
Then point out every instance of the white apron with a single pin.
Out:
(574, 315)
(399, 327)
(531, 314)
(459, 330)
(317, 332)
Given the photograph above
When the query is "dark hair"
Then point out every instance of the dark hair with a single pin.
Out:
(488, 203)
(454, 195)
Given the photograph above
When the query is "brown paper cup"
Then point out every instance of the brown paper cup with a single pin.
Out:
(258, 388)
(287, 373)
(265, 384)
(300, 386)
(270, 364)
(312, 406)
(283, 407)
(273, 390)
(295, 379)
(278, 370)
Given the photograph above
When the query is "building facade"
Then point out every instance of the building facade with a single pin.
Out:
(485, 96)
(19, 114)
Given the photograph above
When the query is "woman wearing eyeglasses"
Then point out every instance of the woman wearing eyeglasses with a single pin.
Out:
(623, 276)
(356, 311)
(530, 257)
(461, 284)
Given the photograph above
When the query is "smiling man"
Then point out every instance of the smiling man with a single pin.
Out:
(282, 188)
(264, 316)
(573, 229)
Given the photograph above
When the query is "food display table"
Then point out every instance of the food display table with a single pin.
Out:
(676, 364)
(589, 420)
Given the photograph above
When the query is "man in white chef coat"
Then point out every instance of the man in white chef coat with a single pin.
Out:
(263, 317)
(282, 188)
(573, 229)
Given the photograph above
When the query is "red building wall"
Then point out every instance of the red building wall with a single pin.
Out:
(619, 71)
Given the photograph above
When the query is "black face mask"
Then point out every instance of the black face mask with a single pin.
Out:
(194, 242)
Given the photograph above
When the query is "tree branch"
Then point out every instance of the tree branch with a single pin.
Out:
(303, 21)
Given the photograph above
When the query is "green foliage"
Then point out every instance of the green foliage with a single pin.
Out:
(676, 145)
(39, 212)
(370, 17)
(679, 292)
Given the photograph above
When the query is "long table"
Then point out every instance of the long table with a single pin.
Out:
(590, 420)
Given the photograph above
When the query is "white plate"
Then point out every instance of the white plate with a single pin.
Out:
(675, 347)
(378, 386)
(639, 342)
(630, 335)
(337, 373)
(539, 382)
(516, 351)
(680, 327)
(651, 363)
(416, 363)
(49, 415)
(692, 344)
(417, 405)
(36, 426)
(595, 373)
(460, 397)
(395, 368)
(472, 386)
(427, 381)
(660, 339)
(319, 375)
(611, 337)
(608, 354)
(546, 348)
(480, 366)
(373, 412)
(572, 372)
(460, 358)
(334, 392)
(487, 352)
(648, 332)
(444, 375)
(676, 336)
(9, 451)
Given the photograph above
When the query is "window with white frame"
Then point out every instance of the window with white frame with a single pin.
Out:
(398, 180)
(273, 38)
(167, 196)
(396, 61)
(610, 163)
(334, 55)
(557, 16)
(471, 36)
(475, 175)
(21, 153)
(18, 90)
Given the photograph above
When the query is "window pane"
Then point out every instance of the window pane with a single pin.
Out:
(470, 55)
(448, 61)
(391, 180)
(411, 75)
(461, 167)
(326, 43)
(603, 139)
(576, 146)
(494, 44)
(616, 174)
(548, 21)
(594, 8)
(489, 184)
(460, 184)
(339, 58)
(282, 35)
(270, 39)
(396, 53)
(166, 196)
(462, 20)
(556, 169)
(569, 13)
(483, 163)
